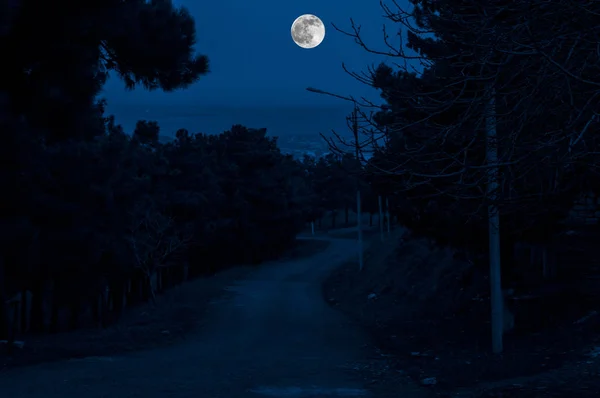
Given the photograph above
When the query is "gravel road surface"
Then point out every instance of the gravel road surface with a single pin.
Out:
(274, 337)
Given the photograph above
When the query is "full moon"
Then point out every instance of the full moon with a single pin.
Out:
(308, 31)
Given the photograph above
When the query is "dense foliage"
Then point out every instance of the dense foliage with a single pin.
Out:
(539, 68)
(89, 208)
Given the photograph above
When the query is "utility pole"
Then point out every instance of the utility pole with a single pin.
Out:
(497, 301)
(358, 207)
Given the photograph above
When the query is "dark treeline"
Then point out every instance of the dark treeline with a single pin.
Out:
(94, 218)
(502, 118)
(491, 66)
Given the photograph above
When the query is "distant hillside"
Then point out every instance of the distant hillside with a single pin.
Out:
(296, 146)
(281, 122)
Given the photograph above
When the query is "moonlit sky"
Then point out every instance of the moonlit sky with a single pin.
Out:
(255, 63)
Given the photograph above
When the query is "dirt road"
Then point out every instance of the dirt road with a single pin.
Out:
(274, 337)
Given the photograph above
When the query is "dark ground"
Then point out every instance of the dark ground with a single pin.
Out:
(179, 312)
(221, 325)
(400, 299)
(265, 332)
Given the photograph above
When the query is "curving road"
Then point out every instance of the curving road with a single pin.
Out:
(275, 337)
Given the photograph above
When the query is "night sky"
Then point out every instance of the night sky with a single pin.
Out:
(255, 63)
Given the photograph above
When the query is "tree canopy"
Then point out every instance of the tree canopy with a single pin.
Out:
(539, 69)
(87, 205)
(52, 76)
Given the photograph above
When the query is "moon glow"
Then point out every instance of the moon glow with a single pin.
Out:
(308, 31)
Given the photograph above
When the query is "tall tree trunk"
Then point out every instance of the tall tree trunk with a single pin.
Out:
(13, 328)
(380, 218)
(117, 293)
(95, 307)
(24, 311)
(37, 306)
(186, 271)
(142, 288)
(4, 318)
(159, 280)
(124, 295)
(54, 312)
(166, 279)
(104, 306)
(497, 301)
(75, 309)
(359, 228)
(387, 215)
(358, 204)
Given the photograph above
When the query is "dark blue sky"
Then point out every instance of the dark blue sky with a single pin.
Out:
(254, 61)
